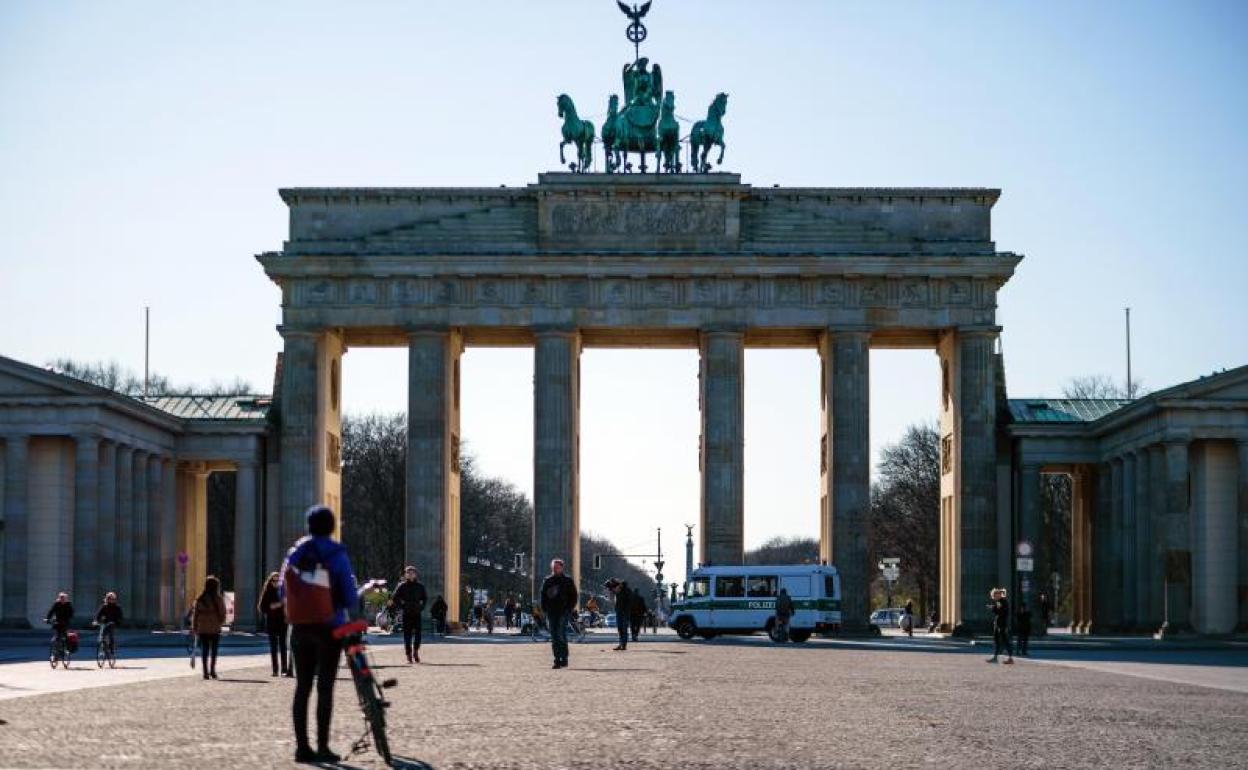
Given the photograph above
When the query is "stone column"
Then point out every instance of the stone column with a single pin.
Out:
(1113, 591)
(1130, 561)
(432, 518)
(1082, 485)
(1178, 540)
(246, 537)
(1031, 529)
(1242, 551)
(125, 528)
(169, 546)
(846, 377)
(1157, 535)
(311, 431)
(86, 588)
(1101, 599)
(106, 548)
(976, 454)
(1143, 551)
(556, 440)
(722, 448)
(139, 550)
(16, 472)
(155, 549)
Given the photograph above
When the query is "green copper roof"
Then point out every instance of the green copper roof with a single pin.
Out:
(1063, 409)
(192, 407)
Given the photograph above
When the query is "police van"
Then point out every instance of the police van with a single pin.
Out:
(742, 600)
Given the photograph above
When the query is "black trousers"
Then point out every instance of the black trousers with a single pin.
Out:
(277, 643)
(1001, 641)
(316, 659)
(411, 633)
(208, 644)
(621, 627)
(558, 622)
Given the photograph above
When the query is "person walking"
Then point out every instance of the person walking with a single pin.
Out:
(784, 614)
(487, 612)
(207, 618)
(318, 591)
(637, 614)
(1022, 627)
(509, 610)
(623, 609)
(1000, 608)
(558, 599)
(908, 618)
(933, 622)
(437, 611)
(410, 597)
(270, 608)
(1046, 613)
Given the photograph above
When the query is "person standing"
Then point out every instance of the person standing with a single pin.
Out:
(410, 597)
(784, 614)
(437, 611)
(270, 608)
(509, 610)
(1023, 628)
(637, 614)
(318, 591)
(908, 619)
(1046, 613)
(558, 599)
(207, 618)
(623, 609)
(1000, 608)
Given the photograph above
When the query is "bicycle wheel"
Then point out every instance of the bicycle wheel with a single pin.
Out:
(101, 654)
(375, 713)
(112, 654)
(191, 644)
(53, 656)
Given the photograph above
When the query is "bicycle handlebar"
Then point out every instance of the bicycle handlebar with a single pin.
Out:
(354, 627)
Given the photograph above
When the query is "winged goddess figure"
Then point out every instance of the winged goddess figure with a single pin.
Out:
(642, 87)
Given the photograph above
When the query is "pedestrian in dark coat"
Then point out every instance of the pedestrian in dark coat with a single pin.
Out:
(637, 614)
(274, 614)
(206, 620)
(1022, 627)
(1000, 608)
(558, 599)
(437, 611)
(410, 597)
(623, 609)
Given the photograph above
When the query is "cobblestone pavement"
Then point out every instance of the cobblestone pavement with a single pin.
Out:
(664, 703)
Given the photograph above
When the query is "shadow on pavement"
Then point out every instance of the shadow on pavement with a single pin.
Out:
(397, 762)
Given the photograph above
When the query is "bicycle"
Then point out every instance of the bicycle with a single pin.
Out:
(58, 651)
(106, 647)
(540, 632)
(367, 688)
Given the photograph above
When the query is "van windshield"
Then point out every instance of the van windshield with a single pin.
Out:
(699, 587)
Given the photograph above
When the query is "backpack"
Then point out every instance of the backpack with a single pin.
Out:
(309, 597)
(71, 641)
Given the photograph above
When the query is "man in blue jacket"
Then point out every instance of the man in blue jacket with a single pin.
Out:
(312, 644)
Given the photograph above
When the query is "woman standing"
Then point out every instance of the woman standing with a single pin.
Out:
(270, 607)
(206, 621)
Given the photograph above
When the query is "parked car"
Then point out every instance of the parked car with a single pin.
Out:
(887, 618)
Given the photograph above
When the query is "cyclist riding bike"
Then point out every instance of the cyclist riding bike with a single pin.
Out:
(108, 616)
(60, 615)
(319, 591)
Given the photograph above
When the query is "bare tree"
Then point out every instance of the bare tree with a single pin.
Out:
(905, 510)
(785, 550)
(114, 377)
(1101, 386)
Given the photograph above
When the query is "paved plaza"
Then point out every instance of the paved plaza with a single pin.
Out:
(494, 703)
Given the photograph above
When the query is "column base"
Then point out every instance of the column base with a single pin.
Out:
(1174, 630)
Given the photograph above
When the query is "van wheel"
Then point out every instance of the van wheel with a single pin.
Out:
(773, 632)
(685, 628)
(799, 636)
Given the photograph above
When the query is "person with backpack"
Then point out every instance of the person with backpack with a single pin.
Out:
(270, 608)
(623, 609)
(410, 597)
(318, 590)
(558, 599)
(207, 620)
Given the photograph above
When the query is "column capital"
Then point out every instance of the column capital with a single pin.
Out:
(978, 331)
(297, 332)
(722, 330)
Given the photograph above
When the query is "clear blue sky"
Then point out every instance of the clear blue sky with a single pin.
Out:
(141, 145)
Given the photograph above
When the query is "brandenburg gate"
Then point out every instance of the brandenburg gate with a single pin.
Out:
(688, 260)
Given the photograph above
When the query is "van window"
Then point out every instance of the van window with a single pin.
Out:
(829, 586)
(796, 585)
(760, 585)
(699, 587)
(729, 587)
